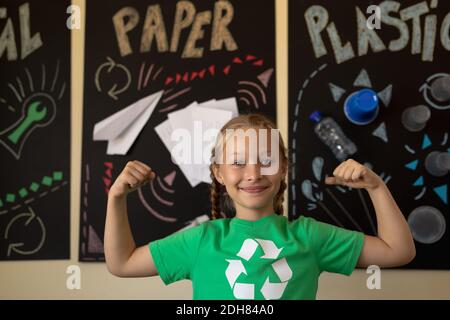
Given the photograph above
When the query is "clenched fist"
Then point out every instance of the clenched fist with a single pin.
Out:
(134, 175)
(354, 175)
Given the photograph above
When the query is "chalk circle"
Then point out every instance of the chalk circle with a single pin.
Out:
(427, 224)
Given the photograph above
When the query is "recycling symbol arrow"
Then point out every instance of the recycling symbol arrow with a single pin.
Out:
(270, 290)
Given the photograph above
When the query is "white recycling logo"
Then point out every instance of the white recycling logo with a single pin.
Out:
(270, 290)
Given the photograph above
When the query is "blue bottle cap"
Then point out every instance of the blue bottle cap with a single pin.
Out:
(316, 116)
(361, 107)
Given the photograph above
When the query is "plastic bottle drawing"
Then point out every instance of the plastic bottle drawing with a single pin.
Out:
(330, 133)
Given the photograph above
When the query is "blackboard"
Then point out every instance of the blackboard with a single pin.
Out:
(116, 76)
(400, 71)
(34, 152)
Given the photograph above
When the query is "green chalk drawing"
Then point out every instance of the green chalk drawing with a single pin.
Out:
(34, 187)
(10, 197)
(57, 175)
(23, 192)
(47, 181)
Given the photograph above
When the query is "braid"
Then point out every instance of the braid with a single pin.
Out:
(279, 198)
(215, 197)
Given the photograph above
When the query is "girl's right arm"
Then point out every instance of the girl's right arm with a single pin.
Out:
(123, 259)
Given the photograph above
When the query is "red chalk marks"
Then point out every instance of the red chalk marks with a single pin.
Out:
(227, 69)
(212, 69)
(189, 76)
(237, 60)
(259, 63)
(169, 80)
(107, 181)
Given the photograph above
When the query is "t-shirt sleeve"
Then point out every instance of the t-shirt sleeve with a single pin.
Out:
(337, 249)
(175, 255)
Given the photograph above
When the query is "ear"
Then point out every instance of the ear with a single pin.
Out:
(217, 174)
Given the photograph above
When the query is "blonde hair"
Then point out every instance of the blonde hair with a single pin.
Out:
(220, 200)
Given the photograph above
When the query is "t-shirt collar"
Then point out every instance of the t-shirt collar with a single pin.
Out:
(257, 223)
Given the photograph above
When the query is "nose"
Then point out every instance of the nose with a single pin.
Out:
(252, 172)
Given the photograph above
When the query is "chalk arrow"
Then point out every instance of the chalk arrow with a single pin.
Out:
(234, 269)
(270, 249)
(272, 291)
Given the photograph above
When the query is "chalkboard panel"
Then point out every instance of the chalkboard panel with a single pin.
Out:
(225, 49)
(332, 55)
(34, 130)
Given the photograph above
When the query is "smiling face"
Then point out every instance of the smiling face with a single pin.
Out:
(251, 169)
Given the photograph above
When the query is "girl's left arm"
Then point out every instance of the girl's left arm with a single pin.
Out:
(394, 245)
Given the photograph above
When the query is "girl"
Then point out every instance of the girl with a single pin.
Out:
(257, 254)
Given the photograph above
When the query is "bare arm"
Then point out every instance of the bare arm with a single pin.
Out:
(123, 259)
(394, 245)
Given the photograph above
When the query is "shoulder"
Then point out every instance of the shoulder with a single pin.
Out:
(312, 230)
(304, 223)
(216, 224)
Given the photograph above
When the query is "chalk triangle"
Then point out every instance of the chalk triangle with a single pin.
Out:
(94, 243)
(412, 165)
(385, 95)
(265, 77)
(336, 91)
(170, 178)
(363, 80)
(418, 182)
(426, 142)
(381, 133)
(442, 193)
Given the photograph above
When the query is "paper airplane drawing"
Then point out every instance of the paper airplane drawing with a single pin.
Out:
(122, 128)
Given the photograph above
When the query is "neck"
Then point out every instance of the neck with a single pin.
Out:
(253, 214)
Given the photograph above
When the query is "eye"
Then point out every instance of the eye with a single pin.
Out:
(239, 163)
(265, 162)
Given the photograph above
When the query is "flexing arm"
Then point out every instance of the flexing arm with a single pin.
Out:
(394, 245)
(123, 259)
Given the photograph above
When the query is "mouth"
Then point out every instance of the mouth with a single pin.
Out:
(254, 190)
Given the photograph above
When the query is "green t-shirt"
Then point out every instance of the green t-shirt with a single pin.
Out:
(270, 258)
